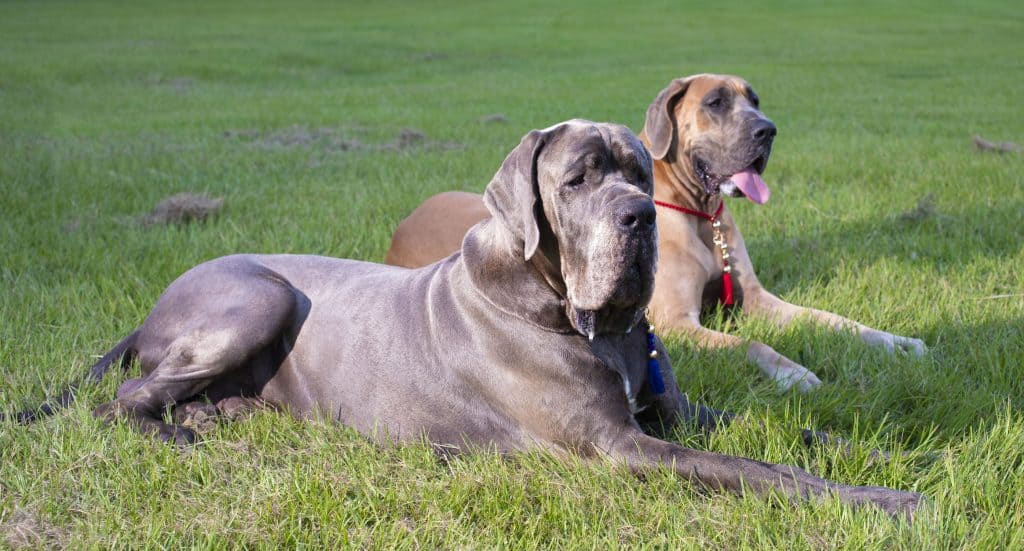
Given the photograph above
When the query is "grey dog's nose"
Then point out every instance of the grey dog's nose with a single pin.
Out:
(764, 130)
(636, 215)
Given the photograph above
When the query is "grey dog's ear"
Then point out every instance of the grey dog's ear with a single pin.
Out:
(660, 125)
(513, 192)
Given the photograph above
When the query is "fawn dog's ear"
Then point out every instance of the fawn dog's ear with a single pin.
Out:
(660, 124)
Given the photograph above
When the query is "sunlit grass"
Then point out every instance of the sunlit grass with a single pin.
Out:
(882, 211)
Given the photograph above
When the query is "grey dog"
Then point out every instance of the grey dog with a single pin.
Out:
(532, 336)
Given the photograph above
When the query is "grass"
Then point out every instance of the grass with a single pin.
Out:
(294, 114)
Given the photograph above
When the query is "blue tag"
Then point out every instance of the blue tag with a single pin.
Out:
(654, 376)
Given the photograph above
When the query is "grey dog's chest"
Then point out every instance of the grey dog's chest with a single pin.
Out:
(626, 357)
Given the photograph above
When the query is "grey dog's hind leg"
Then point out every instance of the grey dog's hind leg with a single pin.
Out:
(672, 407)
(212, 341)
(186, 370)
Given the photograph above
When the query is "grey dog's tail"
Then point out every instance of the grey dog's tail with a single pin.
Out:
(123, 351)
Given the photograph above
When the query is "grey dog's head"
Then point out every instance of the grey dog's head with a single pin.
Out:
(577, 198)
(711, 129)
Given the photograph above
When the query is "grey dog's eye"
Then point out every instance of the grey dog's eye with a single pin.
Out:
(577, 181)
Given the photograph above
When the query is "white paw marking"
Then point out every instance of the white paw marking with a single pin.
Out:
(801, 377)
(896, 343)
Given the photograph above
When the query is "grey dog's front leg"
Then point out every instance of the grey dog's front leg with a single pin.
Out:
(672, 406)
(737, 474)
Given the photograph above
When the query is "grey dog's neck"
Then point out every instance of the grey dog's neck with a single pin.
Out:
(532, 290)
(498, 271)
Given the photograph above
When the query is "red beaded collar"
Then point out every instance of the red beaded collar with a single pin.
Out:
(719, 240)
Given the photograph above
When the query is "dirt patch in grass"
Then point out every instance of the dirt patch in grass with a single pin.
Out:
(298, 136)
(337, 139)
(72, 225)
(25, 529)
(925, 209)
(408, 138)
(432, 56)
(182, 208)
(179, 84)
(999, 147)
(494, 118)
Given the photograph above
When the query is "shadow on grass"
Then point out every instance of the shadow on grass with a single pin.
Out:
(968, 376)
(922, 236)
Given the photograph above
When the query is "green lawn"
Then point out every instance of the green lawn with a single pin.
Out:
(322, 125)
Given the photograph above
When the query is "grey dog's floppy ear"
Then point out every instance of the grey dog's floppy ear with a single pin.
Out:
(513, 192)
(660, 125)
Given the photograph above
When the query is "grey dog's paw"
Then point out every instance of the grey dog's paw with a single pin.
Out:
(178, 435)
(898, 504)
(237, 407)
(902, 505)
(197, 416)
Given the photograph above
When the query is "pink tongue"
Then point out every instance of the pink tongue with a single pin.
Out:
(751, 184)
